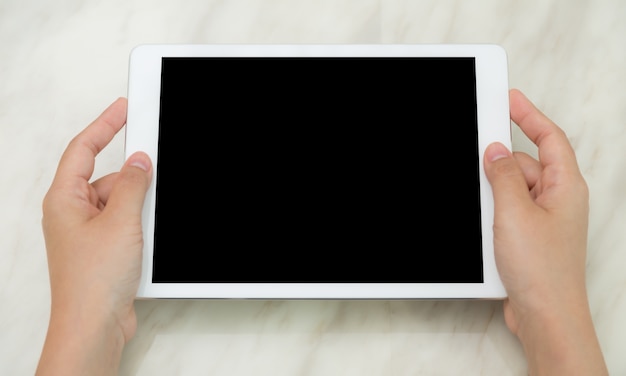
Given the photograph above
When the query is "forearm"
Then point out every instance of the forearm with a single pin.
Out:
(81, 344)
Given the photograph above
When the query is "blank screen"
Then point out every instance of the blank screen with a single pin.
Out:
(318, 170)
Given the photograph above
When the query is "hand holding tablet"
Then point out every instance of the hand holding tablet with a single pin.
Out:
(316, 159)
(93, 240)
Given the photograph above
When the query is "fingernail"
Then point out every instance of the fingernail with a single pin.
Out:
(140, 161)
(497, 151)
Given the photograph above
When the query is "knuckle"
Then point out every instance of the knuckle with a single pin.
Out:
(581, 188)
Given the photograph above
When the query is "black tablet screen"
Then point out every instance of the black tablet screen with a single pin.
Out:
(318, 170)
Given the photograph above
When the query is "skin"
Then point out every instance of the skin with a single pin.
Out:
(94, 240)
(540, 229)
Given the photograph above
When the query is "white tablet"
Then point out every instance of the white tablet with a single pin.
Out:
(318, 171)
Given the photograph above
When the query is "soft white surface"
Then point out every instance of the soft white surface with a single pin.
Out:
(62, 62)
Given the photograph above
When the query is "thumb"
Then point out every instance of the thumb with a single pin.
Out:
(129, 189)
(506, 178)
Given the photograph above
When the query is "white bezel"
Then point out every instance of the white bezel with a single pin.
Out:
(493, 125)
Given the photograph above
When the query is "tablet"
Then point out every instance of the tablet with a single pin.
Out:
(318, 171)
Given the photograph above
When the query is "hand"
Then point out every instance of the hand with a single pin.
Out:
(540, 240)
(93, 236)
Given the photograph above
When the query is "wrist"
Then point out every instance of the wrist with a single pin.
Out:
(561, 339)
(81, 339)
(95, 306)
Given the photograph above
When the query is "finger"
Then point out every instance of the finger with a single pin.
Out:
(531, 168)
(508, 183)
(554, 147)
(128, 192)
(103, 187)
(79, 157)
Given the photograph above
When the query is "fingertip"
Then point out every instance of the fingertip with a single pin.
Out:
(140, 160)
(506, 178)
(501, 168)
(123, 101)
(496, 151)
(129, 189)
(119, 106)
(515, 92)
